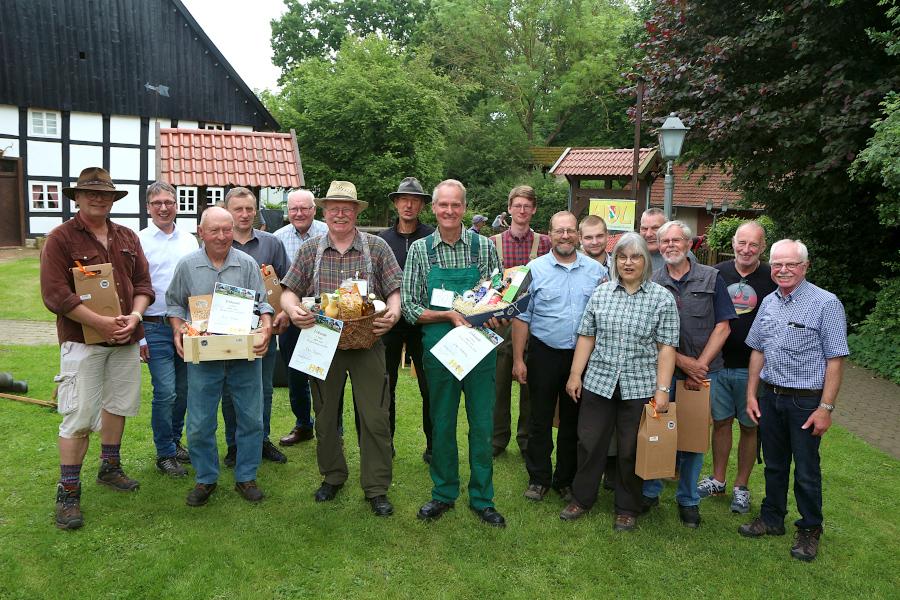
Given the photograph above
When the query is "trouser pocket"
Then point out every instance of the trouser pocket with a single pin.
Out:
(66, 396)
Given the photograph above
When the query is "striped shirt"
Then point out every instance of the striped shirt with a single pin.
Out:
(414, 293)
(797, 334)
(627, 328)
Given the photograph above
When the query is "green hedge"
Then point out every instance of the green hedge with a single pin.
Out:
(876, 344)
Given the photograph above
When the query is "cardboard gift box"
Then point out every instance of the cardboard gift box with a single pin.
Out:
(656, 444)
(202, 348)
(694, 418)
(96, 286)
(273, 287)
(520, 279)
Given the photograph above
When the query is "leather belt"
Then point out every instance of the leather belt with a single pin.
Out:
(786, 391)
(154, 319)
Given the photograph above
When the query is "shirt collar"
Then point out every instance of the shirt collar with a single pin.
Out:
(79, 222)
(797, 293)
(462, 237)
(231, 259)
(356, 244)
(568, 266)
(644, 287)
(528, 235)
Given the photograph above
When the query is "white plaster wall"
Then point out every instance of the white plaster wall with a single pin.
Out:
(85, 127)
(125, 130)
(241, 128)
(124, 163)
(134, 224)
(9, 119)
(10, 147)
(82, 157)
(44, 158)
(151, 164)
(163, 123)
(43, 224)
(130, 203)
(188, 124)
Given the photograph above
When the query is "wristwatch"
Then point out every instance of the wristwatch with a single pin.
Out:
(663, 388)
(826, 406)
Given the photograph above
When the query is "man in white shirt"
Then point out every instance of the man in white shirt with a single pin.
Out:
(164, 244)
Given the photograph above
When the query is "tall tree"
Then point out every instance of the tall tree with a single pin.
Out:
(784, 93)
(372, 115)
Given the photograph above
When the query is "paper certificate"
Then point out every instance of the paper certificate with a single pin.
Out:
(231, 311)
(316, 347)
(464, 347)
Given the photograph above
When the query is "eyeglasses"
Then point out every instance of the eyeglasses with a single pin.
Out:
(527, 206)
(671, 241)
(790, 266)
(160, 203)
(635, 258)
(343, 210)
(564, 231)
(297, 209)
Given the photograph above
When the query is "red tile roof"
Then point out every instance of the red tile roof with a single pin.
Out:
(691, 191)
(221, 158)
(602, 162)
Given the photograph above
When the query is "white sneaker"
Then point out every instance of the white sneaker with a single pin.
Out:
(740, 502)
(710, 487)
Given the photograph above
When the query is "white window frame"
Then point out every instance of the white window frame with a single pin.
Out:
(214, 126)
(42, 204)
(187, 199)
(41, 128)
(214, 194)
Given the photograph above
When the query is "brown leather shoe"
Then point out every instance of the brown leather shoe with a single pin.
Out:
(298, 434)
(806, 544)
(249, 490)
(200, 494)
(68, 507)
(112, 475)
(625, 523)
(572, 511)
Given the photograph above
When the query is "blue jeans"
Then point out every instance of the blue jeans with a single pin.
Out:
(688, 464)
(781, 419)
(298, 382)
(206, 383)
(228, 412)
(168, 374)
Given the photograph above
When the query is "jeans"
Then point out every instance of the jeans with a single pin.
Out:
(688, 464)
(228, 412)
(298, 382)
(781, 419)
(168, 373)
(206, 383)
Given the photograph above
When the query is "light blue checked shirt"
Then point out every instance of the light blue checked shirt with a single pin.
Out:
(293, 239)
(797, 334)
(559, 293)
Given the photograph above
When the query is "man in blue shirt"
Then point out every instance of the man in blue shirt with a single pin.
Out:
(799, 341)
(562, 282)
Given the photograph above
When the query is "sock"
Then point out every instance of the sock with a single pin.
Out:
(718, 483)
(109, 452)
(70, 476)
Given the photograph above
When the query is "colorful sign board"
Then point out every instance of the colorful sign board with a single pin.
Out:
(618, 214)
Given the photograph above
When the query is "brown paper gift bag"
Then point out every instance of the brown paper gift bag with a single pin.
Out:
(693, 418)
(273, 287)
(657, 439)
(96, 287)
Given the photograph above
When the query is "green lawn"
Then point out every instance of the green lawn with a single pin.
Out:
(150, 545)
(20, 291)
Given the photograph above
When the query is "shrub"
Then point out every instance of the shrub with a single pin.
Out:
(719, 237)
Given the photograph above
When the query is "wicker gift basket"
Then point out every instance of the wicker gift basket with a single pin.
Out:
(357, 333)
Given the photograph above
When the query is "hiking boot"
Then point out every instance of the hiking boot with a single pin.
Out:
(625, 523)
(270, 452)
(806, 544)
(710, 487)
(249, 490)
(689, 515)
(68, 507)
(536, 492)
(181, 454)
(200, 494)
(758, 528)
(111, 474)
(740, 500)
(169, 465)
(230, 457)
(572, 511)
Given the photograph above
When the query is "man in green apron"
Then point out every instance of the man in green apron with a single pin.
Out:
(447, 262)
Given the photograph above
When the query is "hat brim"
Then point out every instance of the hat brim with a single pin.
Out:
(320, 202)
(69, 192)
(425, 197)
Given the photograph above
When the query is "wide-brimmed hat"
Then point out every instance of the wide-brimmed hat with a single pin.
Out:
(344, 191)
(410, 186)
(95, 179)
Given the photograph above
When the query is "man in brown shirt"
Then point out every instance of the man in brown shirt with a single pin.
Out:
(99, 384)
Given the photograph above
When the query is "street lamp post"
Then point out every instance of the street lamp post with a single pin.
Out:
(715, 212)
(671, 138)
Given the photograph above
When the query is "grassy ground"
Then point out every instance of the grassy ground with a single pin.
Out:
(20, 291)
(150, 545)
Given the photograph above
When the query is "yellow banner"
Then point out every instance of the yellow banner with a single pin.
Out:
(618, 214)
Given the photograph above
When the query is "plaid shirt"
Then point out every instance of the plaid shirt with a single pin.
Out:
(293, 239)
(627, 328)
(797, 334)
(517, 251)
(414, 294)
(337, 267)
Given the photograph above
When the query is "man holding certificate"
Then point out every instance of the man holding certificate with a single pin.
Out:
(199, 273)
(321, 265)
(450, 261)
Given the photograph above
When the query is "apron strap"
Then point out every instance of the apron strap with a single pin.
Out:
(535, 244)
(322, 243)
(498, 242)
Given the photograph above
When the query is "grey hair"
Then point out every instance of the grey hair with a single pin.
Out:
(631, 241)
(449, 183)
(652, 212)
(802, 250)
(685, 230)
(160, 187)
(751, 223)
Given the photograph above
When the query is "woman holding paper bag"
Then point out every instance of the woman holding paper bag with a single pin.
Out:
(624, 357)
